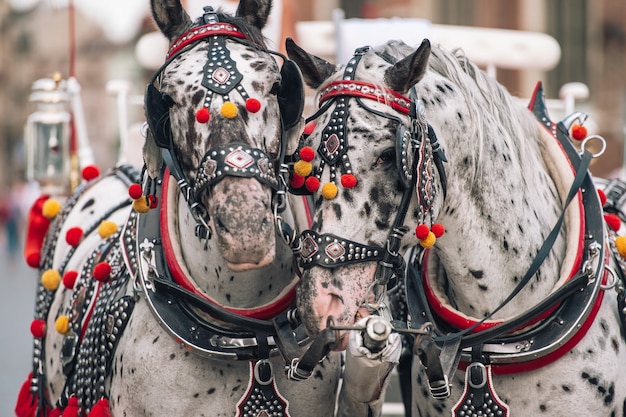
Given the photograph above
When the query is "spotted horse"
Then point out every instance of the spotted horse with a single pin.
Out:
(512, 290)
(171, 290)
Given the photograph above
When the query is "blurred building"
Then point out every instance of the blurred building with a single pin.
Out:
(591, 34)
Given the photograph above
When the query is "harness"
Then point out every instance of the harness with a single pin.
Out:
(535, 337)
(416, 146)
(222, 78)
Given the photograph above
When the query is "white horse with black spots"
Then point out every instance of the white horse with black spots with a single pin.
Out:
(509, 287)
(172, 292)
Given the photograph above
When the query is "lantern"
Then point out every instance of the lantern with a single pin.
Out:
(47, 135)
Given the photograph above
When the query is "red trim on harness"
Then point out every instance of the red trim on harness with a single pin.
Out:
(361, 89)
(263, 312)
(204, 31)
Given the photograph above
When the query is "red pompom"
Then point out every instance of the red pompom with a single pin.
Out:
(253, 105)
(602, 197)
(307, 154)
(438, 229)
(73, 236)
(308, 128)
(296, 181)
(203, 115)
(38, 328)
(135, 191)
(69, 279)
(100, 409)
(613, 221)
(421, 231)
(348, 181)
(153, 201)
(312, 184)
(579, 132)
(102, 272)
(72, 409)
(90, 172)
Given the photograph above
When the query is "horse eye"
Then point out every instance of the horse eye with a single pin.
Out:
(274, 89)
(386, 157)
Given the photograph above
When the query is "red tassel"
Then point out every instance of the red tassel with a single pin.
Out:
(602, 197)
(101, 409)
(72, 409)
(613, 221)
(26, 405)
(36, 229)
(56, 413)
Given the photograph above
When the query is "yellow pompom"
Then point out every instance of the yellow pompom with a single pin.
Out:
(62, 325)
(51, 279)
(303, 168)
(50, 208)
(329, 191)
(229, 110)
(107, 228)
(428, 241)
(620, 245)
(141, 205)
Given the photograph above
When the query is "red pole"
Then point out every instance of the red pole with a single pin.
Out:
(72, 42)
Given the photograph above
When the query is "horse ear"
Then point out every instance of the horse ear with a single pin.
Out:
(255, 12)
(314, 70)
(407, 72)
(170, 17)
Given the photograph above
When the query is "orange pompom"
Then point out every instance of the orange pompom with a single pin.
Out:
(73, 236)
(135, 191)
(329, 191)
(296, 181)
(312, 184)
(203, 115)
(579, 132)
(602, 197)
(69, 279)
(102, 272)
(429, 241)
(253, 105)
(307, 154)
(62, 325)
(38, 328)
(421, 231)
(620, 245)
(229, 110)
(348, 181)
(51, 279)
(90, 172)
(303, 168)
(141, 205)
(438, 229)
(613, 221)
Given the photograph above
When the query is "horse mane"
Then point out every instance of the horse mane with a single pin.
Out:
(493, 111)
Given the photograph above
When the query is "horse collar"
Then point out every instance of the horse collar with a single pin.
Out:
(175, 302)
(554, 325)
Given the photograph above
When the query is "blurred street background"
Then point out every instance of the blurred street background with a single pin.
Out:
(112, 49)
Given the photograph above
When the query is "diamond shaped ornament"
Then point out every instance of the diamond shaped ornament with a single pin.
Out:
(239, 159)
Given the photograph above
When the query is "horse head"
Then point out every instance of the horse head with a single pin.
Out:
(370, 149)
(220, 110)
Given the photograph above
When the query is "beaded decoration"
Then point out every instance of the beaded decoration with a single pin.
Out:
(221, 76)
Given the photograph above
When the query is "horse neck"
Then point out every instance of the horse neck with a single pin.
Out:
(498, 212)
(206, 269)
